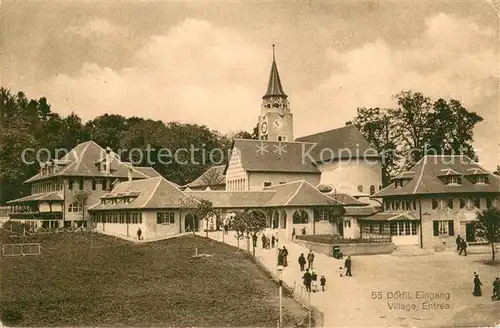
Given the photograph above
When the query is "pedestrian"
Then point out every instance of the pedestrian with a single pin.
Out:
(304, 230)
(347, 265)
(263, 241)
(273, 240)
(280, 256)
(458, 241)
(284, 253)
(254, 239)
(302, 262)
(293, 234)
(463, 247)
(496, 290)
(341, 272)
(307, 280)
(314, 280)
(310, 259)
(226, 229)
(139, 234)
(322, 282)
(477, 286)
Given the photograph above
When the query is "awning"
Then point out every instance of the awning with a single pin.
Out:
(49, 196)
(390, 216)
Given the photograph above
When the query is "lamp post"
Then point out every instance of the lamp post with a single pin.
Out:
(280, 288)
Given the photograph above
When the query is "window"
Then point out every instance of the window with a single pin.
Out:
(321, 215)
(360, 188)
(165, 217)
(282, 182)
(397, 205)
(300, 217)
(70, 184)
(380, 187)
(74, 208)
(347, 223)
(414, 205)
(386, 205)
(103, 184)
(94, 183)
(434, 204)
(450, 203)
(81, 183)
(372, 189)
(455, 180)
(443, 228)
(281, 138)
(482, 179)
(403, 228)
(462, 203)
(267, 184)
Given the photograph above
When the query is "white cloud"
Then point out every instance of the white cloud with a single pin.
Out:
(195, 72)
(97, 27)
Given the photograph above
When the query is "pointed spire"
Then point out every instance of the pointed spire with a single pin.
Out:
(274, 87)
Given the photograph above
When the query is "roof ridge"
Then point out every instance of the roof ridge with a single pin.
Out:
(293, 141)
(422, 169)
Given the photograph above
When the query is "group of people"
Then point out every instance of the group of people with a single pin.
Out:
(310, 279)
(461, 245)
(477, 288)
(283, 256)
(266, 242)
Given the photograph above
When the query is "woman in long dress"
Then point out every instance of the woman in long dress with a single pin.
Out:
(477, 285)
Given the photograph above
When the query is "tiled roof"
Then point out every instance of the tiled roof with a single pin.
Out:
(427, 181)
(299, 193)
(344, 142)
(149, 171)
(405, 175)
(476, 171)
(448, 172)
(274, 156)
(54, 195)
(214, 176)
(390, 216)
(151, 193)
(234, 199)
(346, 199)
(360, 210)
(82, 162)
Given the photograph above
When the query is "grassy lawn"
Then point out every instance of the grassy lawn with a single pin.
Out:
(119, 283)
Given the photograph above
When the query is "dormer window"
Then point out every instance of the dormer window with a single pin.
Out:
(481, 179)
(454, 180)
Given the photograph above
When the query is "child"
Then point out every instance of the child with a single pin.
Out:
(322, 282)
(341, 271)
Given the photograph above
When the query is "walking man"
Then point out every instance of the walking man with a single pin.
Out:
(307, 280)
(293, 234)
(254, 239)
(264, 241)
(347, 265)
(463, 247)
(496, 290)
(302, 262)
(226, 228)
(273, 240)
(477, 286)
(139, 234)
(459, 242)
(310, 259)
(322, 282)
(284, 254)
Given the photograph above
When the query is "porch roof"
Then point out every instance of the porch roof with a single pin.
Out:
(390, 216)
(48, 196)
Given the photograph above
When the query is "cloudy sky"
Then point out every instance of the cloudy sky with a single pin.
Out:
(209, 62)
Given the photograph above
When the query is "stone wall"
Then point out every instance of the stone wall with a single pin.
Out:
(350, 249)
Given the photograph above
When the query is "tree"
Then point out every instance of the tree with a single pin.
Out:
(213, 177)
(81, 199)
(497, 171)
(248, 224)
(488, 227)
(415, 127)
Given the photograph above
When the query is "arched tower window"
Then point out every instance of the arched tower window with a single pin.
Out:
(372, 189)
(360, 188)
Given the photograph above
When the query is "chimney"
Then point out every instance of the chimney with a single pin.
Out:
(108, 160)
(130, 174)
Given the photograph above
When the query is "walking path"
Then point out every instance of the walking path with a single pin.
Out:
(135, 240)
(339, 304)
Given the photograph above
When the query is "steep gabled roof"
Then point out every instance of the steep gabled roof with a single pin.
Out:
(53, 195)
(427, 181)
(150, 194)
(214, 176)
(82, 162)
(148, 171)
(344, 142)
(274, 87)
(274, 156)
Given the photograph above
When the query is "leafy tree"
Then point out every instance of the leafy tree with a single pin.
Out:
(497, 171)
(488, 227)
(201, 209)
(106, 130)
(248, 224)
(213, 178)
(81, 199)
(416, 127)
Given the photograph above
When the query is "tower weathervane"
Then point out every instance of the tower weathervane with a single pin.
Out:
(273, 53)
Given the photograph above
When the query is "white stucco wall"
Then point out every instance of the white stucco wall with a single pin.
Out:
(346, 175)
(236, 177)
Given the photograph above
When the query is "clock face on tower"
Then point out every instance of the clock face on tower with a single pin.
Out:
(278, 124)
(263, 127)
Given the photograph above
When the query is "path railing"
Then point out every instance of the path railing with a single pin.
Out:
(21, 249)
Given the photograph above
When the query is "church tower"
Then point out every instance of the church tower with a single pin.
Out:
(275, 120)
